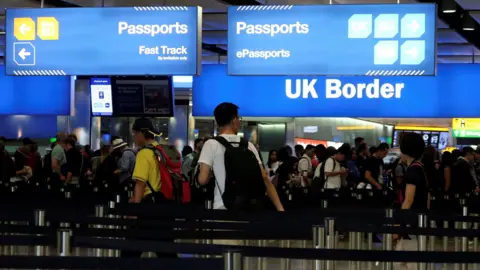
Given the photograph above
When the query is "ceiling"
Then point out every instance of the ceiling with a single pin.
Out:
(454, 44)
(430, 122)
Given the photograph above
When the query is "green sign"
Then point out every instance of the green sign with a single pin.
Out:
(462, 133)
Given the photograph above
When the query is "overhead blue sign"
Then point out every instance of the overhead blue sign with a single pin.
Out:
(34, 95)
(386, 40)
(103, 41)
(446, 95)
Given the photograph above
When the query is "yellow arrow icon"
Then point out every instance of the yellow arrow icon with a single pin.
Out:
(24, 28)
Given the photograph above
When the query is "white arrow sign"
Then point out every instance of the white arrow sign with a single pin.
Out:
(23, 53)
(414, 26)
(24, 28)
(412, 52)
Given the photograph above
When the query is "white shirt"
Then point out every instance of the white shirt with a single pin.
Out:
(273, 169)
(305, 165)
(332, 181)
(213, 155)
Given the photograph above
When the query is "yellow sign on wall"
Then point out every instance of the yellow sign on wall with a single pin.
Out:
(466, 123)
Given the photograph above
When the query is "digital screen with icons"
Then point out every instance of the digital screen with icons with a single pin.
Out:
(436, 138)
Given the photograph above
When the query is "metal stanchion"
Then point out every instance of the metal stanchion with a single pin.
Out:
(40, 222)
(359, 242)
(261, 261)
(99, 212)
(64, 244)
(208, 206)
(464, 266)
(318, 243)
(112, 252)
(431, 244)
(369, 247)
(388, 241)
(285, 262)
(233, 260)
(330, 240)
(422, 239)
(68, 195)
(445, 244)
(475, 243)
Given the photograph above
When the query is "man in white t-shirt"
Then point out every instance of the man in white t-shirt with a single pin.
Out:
(213, 153)
(305, 167)
(334, 173)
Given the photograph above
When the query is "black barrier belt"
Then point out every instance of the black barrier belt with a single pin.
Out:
(292, 253)
(47, 262)
(26, 240)
(161, 235)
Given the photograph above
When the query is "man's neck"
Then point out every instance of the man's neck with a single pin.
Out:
(227, 131)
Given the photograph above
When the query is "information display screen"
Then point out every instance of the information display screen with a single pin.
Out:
(143, 98)
(113, 41)
(387, 40)
(438, 139)
(101, 96)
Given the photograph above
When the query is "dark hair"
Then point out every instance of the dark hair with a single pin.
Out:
(359, 140)
(467, 150)
(224, 113)
(362, 147)
(197, 141)
(382, 147)
(71, 142)
(289, 150)
(456, 154)
(372, 150)
(73, 137)
(331, 151)
(309, 147)
(447, 159)
(299, 150)
(429, 155)
(284, 153)
(269, 161)
(412, 145)
(187, 149)
(321, 152)
(345, 150)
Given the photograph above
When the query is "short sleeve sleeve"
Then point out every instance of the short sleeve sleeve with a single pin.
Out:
(57, 154)
(207, 156)
(414, 175)
(303, 165)
(329, 165)
(141, 170)
(252, 148)
(399, 170)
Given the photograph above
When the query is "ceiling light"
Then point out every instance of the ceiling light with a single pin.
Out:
(468, 23)
(449, 6)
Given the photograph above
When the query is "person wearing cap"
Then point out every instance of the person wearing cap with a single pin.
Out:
(146, 165)
(59, 159)
(126, 160)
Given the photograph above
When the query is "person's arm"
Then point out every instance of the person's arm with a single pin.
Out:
(447, 173)
(186, 165)
(206, 160)
(270, 188)
(303, 169)
(329, 170)
(140, 175)
(123, 164)
(409, 196)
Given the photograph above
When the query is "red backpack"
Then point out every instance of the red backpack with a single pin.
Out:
(173, 185)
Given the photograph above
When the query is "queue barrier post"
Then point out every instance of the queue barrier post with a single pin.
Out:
(262, 261)
(475, 242)
(112, 252)
(422, 239)
(358, 236)
(431, 244)
(445, 243)
(318, 243)
(330, 240)
(369, 247)
(99, 213)
(208, 206)
(40, 222)
(64, 244)
(388, 241)
(465, 226)
(233, 260)
(285, 262)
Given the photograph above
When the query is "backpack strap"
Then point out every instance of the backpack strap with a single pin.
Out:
(223, 142)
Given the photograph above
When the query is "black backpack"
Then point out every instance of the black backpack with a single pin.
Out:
(244, 184)
(318, 183)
